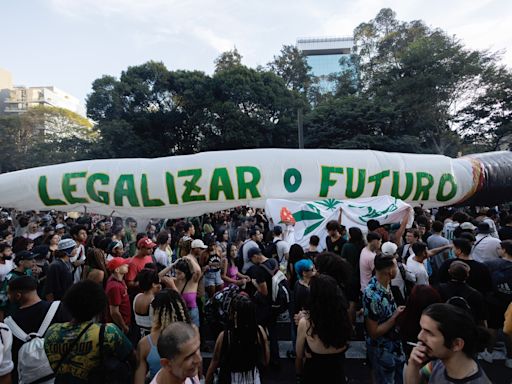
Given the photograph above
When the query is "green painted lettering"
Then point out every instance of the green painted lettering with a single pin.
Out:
(98, 196)
(377, 179)
(191, 185)
(68, 188)
(144, 191)
(125, 187)
(251, 185)
(171, 188)
(42, 187)
(409, 182)
(221, 183)
(349, 192)
(446, 178)
(423, 188)
(292, 173)
(326, 182)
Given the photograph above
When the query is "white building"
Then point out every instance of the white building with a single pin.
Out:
(18, 99)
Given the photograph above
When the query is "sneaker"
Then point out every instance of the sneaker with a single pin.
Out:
(508, 363)
(486, 356)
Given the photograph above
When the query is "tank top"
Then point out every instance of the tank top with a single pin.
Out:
(143, 321)
(153, 358)
(232, 272)
(213, 263)
(190, 299)
(320, 367)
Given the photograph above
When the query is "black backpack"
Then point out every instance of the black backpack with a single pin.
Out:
(240, 257)
(271, 251)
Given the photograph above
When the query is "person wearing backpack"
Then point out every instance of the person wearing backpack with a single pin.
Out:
(6, 364)
(29, 318)
(83, 351)
(279, 249)
(262, 274)
(243, 260)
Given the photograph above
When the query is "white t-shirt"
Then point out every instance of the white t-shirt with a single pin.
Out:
(419, 271)
(6, 268)
(366, 265)
(485, 248)
(6, 364)
(161, 257)
(188, 380)
(282, 248)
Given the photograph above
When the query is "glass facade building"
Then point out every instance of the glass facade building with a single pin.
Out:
(323, 56)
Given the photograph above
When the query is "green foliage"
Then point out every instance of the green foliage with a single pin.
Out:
(228, 60)
(291, 66)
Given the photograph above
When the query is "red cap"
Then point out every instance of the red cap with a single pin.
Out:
(145, 242)
(116, 262)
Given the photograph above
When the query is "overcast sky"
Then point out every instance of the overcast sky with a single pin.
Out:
(70, 43)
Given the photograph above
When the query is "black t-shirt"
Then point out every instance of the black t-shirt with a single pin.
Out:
(505, 233)
(335, 246)
(474, 298)
(311, 255)
(301, 297)
(29, 319)
(479, 276)
(58, 279)
(261, 275)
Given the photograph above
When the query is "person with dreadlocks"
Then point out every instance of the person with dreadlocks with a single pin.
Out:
(167, 307)
(241, 348)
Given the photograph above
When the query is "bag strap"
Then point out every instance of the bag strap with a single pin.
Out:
(478, 242)
(15, 329)
(272, 273)
(48, 318)
(73, 344)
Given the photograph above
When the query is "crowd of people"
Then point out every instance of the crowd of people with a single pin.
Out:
(93, 299)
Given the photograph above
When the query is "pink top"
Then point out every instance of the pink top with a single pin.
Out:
(190, 299)
(231, 272)
(366, 265)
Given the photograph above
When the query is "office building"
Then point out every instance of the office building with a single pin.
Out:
(323, 56)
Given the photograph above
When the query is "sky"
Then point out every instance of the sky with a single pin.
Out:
(70, 43)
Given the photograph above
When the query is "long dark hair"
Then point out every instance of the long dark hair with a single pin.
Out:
(356, 238)
(328, 313)
(240, 348)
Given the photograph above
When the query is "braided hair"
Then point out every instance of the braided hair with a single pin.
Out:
(168, 307)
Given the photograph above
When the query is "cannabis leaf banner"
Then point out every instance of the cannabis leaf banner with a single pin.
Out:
(304, 219)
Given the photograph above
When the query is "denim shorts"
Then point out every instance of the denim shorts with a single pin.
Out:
(194, 316)
(387, 368)
(212, 278)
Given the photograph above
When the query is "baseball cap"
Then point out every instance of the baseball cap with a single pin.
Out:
(388, 248)
(484, 228)
(66, 245)
(116, 262)
(197, 243)
(113, 245)
(60, 226)
(145, 242)
(25, 255)
(252, 252)
(467, 226)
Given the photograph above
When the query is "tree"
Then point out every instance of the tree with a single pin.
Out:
(228, 60)
(487, 122)
(252, 109)
(423, 74)
(291, 66)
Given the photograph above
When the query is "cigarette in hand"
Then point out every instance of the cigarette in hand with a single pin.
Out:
(413, 344)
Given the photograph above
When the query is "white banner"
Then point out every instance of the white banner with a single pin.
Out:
(311, 217)
(191, 185)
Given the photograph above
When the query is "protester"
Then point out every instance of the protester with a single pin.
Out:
(180, 357)
(76, 349)
(450, 340)
(323, 334)
(59, 277)
(163, 252)
(116, 290)
(24, 262)
(6, 263)
(188, 274)
(380, 313)
(230, 273)
(167, 307)
(366, 260)
(312, 250)
(136, 263)
(486, 246)
(149, 283)
(335, 241)
(241, 350)
(31, 312)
